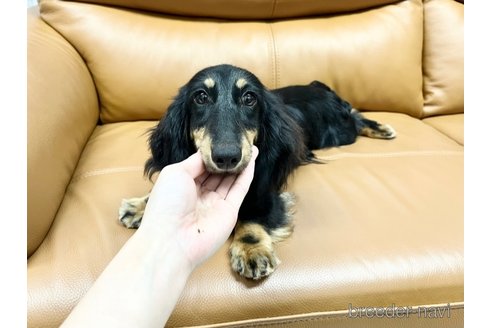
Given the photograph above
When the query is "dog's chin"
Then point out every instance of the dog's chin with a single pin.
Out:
(212, 168)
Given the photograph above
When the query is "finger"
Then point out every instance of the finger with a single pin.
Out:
(225, 185)
(240, 187)
(254, 153)
(193, 165)
(201, 178)
(212, 182)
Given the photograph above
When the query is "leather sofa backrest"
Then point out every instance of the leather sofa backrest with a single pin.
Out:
(246, 9)
(138, 60)
(57, 78)
(443, 57)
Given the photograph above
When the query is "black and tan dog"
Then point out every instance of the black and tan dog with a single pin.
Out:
(224, 110)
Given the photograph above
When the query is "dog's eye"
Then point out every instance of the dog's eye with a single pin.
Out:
(249, 99)
(201, 97)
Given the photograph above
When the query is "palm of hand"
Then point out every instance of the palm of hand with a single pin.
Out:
(195, 208)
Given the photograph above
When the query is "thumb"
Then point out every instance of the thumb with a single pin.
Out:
(193, 165)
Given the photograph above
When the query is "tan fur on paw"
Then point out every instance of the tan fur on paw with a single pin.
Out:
(131, 211)
(253, 261)
(383, 131)
(251, 252)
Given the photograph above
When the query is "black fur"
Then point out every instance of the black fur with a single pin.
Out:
(289, 123)
(169, 143)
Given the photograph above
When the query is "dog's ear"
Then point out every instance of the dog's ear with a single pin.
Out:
(280, 142)
(170, 141)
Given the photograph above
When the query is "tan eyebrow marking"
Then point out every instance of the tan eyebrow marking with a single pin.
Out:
(209, 83)
(241, 83)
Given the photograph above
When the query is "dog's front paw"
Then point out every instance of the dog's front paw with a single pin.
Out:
(131, 211)
(251, 252)
(253, 261)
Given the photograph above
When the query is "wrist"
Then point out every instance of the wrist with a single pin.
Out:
(149, 270)
(164, 248)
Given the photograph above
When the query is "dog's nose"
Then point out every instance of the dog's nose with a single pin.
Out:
(226, 157)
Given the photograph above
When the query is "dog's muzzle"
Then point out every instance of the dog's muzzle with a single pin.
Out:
(227, 157)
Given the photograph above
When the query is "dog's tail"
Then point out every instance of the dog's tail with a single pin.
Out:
(370, 128)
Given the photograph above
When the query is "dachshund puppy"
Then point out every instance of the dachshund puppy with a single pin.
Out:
(224, 110)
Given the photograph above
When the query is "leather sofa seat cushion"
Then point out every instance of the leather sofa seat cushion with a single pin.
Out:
(407, 249)
(451, 125)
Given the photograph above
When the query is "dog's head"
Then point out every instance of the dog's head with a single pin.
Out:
(222, 111)
(224, 104)
(217, 112)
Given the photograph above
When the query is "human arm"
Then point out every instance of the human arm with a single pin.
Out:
(189, 215)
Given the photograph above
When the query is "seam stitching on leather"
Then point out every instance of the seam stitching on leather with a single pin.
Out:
(325, 316)
(92, 173)
(447, 135)
(274, 6)
(394, 154)
(422, 65)
(330, 157)
(274, 57)
(320, 318)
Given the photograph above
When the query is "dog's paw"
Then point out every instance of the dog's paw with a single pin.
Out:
(253, 260)
(131, 211)
(386, 131)
(382, 131)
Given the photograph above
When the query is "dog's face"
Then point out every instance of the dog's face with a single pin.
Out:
(223, 106)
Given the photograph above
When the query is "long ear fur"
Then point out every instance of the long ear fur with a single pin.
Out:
(169, 141)
(280, 142)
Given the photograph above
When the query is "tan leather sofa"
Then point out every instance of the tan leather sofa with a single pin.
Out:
(379, 225)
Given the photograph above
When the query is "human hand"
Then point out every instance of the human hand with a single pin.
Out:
(194, 208)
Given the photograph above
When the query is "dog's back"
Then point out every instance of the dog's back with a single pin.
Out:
(326, 119)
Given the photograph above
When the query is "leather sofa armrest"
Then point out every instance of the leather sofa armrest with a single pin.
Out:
(62, 112)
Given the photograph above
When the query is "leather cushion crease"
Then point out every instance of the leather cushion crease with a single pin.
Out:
(379, 222)
(450, 125)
